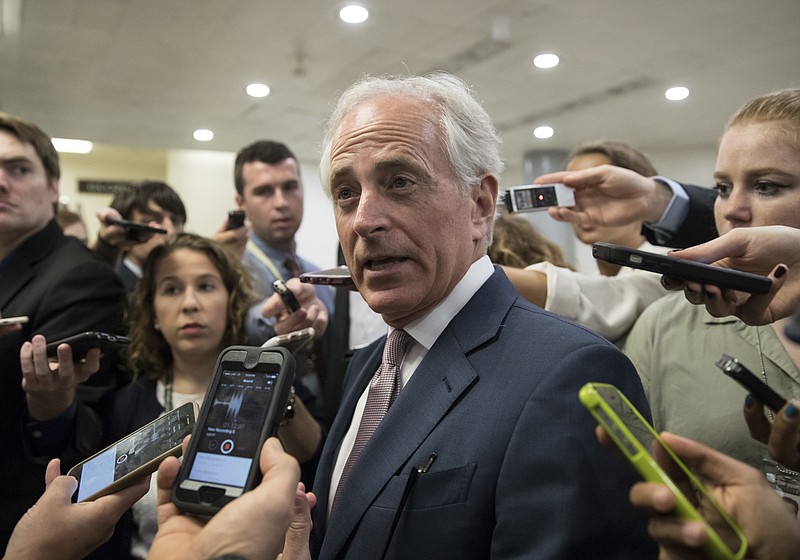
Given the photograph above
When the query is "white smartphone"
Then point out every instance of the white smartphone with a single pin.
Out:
(293, 341)
(14, 320)
(134, 456)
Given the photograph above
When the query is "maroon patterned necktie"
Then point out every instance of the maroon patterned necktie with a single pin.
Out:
(292, 266)
(383, 390)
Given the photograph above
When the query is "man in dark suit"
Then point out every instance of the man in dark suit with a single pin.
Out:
(63, 290)
(486, 451)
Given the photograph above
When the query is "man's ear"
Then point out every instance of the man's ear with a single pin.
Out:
(53, 187)
(484, 197)
(239, 200)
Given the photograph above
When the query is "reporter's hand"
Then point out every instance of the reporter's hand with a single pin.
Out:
(50, 386)
(252, 526)
(313, 312)
(609, 196)
(295, 546)
(781, 436)
(771, 529)
(765, 250)
(57, 528)
(234, 239)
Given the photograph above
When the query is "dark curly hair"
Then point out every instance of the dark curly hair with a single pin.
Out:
(149, 355)
(518, 243)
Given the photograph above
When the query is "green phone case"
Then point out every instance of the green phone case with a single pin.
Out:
(602, 407)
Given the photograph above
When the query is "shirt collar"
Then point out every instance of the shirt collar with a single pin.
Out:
(427, 328)
(275, 255)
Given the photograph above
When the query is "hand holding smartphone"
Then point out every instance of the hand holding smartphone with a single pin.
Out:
(243, 406)
(293, 341)
(135, 231)
(135, 456)
(235, 219)
(682, 268)
(735, 370)
(289, 299)
(83, 342)
(656, 462)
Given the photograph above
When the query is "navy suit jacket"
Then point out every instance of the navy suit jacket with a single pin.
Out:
(518, 472)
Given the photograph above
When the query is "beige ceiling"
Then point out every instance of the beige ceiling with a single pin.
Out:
(147, 73)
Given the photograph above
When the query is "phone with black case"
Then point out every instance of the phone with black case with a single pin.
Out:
(83, 342)
(682, 268)
(338, 277)
(734, 369)
(134, 230)
(134, 456)
(242, 408)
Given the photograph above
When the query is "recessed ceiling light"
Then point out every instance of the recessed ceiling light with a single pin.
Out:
(257, 90)
(203, 135)
(677, 93)
(72, 146)
(353, 14)
(543, 132)
(547, 60)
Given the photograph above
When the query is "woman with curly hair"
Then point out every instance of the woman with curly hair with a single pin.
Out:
(190, 303)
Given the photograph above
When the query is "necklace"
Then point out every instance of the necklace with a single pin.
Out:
(168, 390)
(763, 369)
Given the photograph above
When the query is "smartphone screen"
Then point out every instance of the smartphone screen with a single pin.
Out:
(242, 408)
(231, 433)
(134, 456)
(656, 462)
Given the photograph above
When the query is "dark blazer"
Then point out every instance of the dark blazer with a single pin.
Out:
(518, 472)
(698, 227)
(59, 284)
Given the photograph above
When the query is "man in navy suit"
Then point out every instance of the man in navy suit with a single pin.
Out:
(486, 451)
(503, 454)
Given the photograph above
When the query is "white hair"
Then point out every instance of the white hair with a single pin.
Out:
(468, 137)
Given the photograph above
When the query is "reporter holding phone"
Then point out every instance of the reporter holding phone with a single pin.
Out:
(191, 303)
(674, 344)
(47, 409)
(771, 528)
(611, 301)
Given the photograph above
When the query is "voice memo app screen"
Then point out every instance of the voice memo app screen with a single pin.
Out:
(231, 433)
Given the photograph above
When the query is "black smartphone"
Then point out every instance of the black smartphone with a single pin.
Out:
(134, 456)
(293, 341)
(83, 342)
(243, 406)
(338, 277)
(682, 268)
(287, 296)
(135, 231)
(235, 219)
(747, 379)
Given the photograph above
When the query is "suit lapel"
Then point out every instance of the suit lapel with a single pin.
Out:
(18, 271)
(442, 377)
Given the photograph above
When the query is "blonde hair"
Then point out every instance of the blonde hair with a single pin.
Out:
(517, 243)
(782, 105)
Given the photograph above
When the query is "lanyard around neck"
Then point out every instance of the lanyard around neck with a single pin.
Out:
(265, 260)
